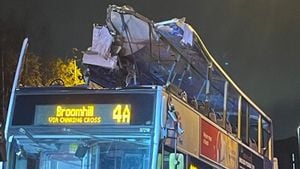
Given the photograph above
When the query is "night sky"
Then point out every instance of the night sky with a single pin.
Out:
(258, 38)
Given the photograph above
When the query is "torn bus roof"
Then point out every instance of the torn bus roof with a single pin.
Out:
(133, 50)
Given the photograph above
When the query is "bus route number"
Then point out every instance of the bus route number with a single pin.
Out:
(122, 114)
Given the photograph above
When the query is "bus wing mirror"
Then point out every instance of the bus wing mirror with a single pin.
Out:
(176, 161)
(81, 150)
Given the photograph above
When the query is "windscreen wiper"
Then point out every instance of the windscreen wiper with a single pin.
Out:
(31, 138)
(101, 139)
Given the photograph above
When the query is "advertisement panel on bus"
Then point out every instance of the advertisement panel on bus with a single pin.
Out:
(190, 139)
(217, 146)
(189, 122)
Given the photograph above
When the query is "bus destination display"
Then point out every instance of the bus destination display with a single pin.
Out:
(82, 114)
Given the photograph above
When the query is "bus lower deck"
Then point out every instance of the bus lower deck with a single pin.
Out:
(133, 128)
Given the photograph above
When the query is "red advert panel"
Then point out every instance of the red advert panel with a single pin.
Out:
(209, 137)
(217, 146)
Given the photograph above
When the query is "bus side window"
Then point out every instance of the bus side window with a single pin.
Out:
(253, 128)
(266, 138)
(244, 121)
(194, 163)
(217, 99)
(165, 157)
(232, 109)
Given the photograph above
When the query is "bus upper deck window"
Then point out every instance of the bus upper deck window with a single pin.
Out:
(232, 109)
(217, 97)
(266, 138)
(253, 128)
(245, 121)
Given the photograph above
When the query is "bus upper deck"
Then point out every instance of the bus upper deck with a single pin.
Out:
(172, 54)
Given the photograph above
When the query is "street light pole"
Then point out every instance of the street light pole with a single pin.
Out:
(3, 95)
(298, 138)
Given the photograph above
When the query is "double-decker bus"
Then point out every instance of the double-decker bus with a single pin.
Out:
(177, 108)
